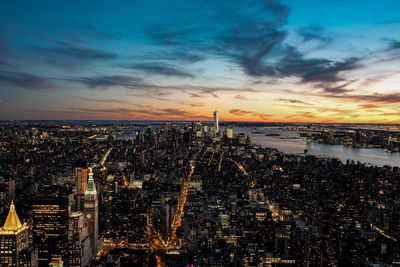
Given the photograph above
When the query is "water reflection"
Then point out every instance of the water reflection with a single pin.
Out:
(291, 143)
(284, 143)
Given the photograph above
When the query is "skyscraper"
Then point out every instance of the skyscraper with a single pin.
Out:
(165, 221)
(14, 238)
(216, 123)
(50, 228)
(228, 132)
(80, 250)
(108, 204)
(91, 211)
(81, 180)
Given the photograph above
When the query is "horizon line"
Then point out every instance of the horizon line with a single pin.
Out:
(207, 121)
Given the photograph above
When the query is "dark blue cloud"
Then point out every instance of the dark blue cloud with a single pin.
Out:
(162, 34)
(2, 45)
(179, 55)
(339, 89)
(394, 45)
(87, 99)
(160, 69)
(328, 71)
(389, 98)
(105, 82)
(313, 32)
(259, 46)
(25, 80)
(3, 51)
(89, 31)
(253, 35)
(60, 53)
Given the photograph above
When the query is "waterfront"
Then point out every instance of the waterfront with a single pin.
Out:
(290, 142)
(178, 177)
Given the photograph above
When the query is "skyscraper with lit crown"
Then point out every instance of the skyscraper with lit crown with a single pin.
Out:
(14, 238)
(81, 172)
(91, 211)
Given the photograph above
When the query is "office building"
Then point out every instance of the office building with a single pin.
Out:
(81, 173)
(165, 221)
(228, 132)
(50, 228)
(14, 238)
(29, 257)
(80, 250)
(91, 211)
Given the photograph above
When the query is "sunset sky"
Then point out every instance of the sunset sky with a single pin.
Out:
(253, 60)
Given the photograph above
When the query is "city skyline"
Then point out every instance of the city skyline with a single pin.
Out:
(272, 61)
(187, 194)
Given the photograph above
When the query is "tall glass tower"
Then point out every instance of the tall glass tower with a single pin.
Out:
(216, 124)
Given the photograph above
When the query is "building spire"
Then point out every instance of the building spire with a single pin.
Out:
(91, 187)
(90, 171)
(12, 223)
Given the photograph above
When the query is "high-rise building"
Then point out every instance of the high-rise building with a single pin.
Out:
(165, 221)
(108, 197)
(241, 138)
(29, 257)
(216, 123)
(81, 173)
(14, 238)
(80, 250)
(228, 132)
(104, 173)
(212, 132)
(50, 228)
(91, 211)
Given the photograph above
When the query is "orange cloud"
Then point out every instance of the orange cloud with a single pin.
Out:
(370, 106)
(240, 112)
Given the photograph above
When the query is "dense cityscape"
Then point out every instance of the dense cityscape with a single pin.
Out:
(183, 194)
(199, 133)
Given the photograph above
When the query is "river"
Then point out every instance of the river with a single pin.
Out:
(290, 142)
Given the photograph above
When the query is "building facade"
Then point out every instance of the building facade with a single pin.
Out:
(216, 122)
(81, 173)
(14, 238)
(50, 228)
(91, 211)
(80, 250)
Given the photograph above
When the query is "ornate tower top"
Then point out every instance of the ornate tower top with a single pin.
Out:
(91, 187)
(12, 224)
